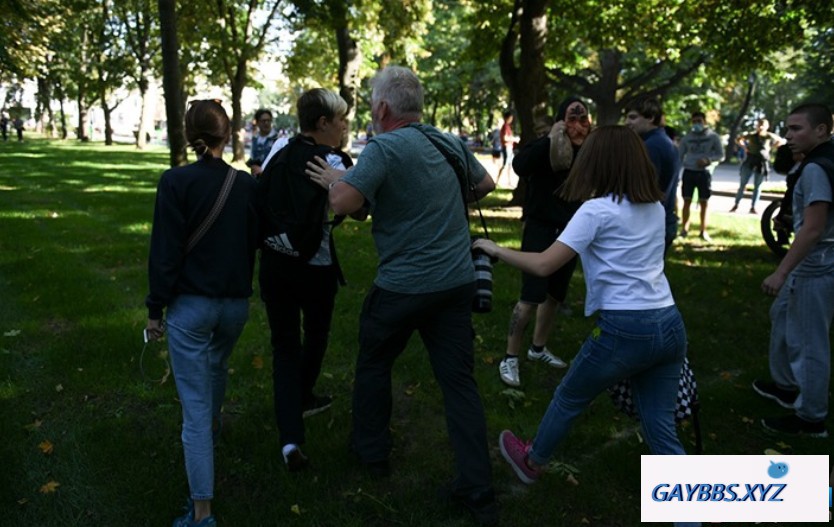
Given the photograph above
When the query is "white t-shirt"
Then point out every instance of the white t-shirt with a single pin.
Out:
(621, 247)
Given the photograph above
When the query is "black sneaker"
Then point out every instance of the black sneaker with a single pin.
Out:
(794, 425)
(769, 390)
(316, 405)
(482, 505)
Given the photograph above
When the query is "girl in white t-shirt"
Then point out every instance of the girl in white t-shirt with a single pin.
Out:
(619, 234)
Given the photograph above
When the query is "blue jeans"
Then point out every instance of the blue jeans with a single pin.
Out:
(646, 346)
(800, 349)
(759, 171)
(201, 334)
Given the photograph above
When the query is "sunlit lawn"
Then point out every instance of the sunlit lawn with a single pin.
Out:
(89, 440)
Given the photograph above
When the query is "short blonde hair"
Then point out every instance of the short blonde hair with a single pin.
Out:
(317, 103)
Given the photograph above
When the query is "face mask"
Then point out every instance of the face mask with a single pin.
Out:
(697, 128)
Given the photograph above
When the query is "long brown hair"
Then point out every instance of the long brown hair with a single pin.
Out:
(613, 160)
(207, 126)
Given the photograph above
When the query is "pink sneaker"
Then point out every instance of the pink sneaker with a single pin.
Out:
(515, 452)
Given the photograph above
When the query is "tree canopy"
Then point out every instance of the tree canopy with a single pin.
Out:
(475, 58)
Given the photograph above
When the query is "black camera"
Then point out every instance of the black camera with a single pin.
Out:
(482, 301)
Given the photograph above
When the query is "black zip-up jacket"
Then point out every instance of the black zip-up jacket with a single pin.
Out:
(222, 262)
(542, 201)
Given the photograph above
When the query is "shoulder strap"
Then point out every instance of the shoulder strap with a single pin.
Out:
(466, 183)
(204, 227)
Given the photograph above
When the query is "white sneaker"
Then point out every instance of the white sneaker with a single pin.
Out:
(546, 357)
(509, 371)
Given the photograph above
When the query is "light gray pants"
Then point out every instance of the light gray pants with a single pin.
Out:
(800, 349)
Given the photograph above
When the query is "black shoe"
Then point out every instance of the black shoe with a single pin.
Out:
(769, 390)
(296, 460)
(316, 405)
(795, 425)
(481, 505)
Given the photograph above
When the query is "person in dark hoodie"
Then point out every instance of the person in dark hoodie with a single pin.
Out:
(204, 283)
(544, 164)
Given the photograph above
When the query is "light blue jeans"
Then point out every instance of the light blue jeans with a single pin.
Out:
(800, 349)
(758, 173)
(646, 346)
(201, 334)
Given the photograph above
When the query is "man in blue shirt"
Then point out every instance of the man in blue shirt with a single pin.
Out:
(644, 117)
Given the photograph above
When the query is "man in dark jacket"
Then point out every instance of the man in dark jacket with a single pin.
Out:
(544, 164)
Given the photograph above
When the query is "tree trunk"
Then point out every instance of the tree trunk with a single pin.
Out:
(108, 130)
(141, 133)
(238, 132)
(81, 133)
(531, 101)
(526, 82)
(59, 91)
(172, 82)
(350, 59)
(733, 132)
(608, 109)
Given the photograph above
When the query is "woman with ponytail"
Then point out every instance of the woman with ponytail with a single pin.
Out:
(200, 269)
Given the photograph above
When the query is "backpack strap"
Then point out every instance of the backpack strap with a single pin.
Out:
(462, 173)
(204, 227)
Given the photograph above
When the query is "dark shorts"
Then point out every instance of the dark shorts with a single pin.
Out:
(538, 236)
(696, 179)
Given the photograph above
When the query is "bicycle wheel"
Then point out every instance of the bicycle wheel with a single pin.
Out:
(778, 239)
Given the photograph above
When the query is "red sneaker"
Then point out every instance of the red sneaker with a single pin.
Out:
(515, 452)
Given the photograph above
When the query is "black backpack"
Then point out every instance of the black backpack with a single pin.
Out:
(822, 155)
(293, 208)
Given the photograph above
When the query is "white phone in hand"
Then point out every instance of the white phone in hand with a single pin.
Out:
(146, 334)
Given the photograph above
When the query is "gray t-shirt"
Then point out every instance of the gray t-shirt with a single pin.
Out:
(813, 186)
(419, 227)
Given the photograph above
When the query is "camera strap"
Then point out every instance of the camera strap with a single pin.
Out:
(466, 184)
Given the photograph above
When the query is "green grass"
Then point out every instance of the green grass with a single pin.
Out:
(75, 222)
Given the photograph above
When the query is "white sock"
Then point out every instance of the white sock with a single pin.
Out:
(289, 447)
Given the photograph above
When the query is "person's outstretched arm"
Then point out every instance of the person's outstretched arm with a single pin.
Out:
(538, 264)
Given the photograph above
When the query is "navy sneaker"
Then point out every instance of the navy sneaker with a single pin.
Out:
(769, 390)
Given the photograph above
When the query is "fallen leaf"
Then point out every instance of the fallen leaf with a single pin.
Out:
(489, 360)
(572, 480)
(23, 501)
(257, 362)
(772, 452)
(59, 388)
(747, 420)
(50, 487)
(12, 333)
(783, 445)
(46, 447)
(726, 376)
(296, 509)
